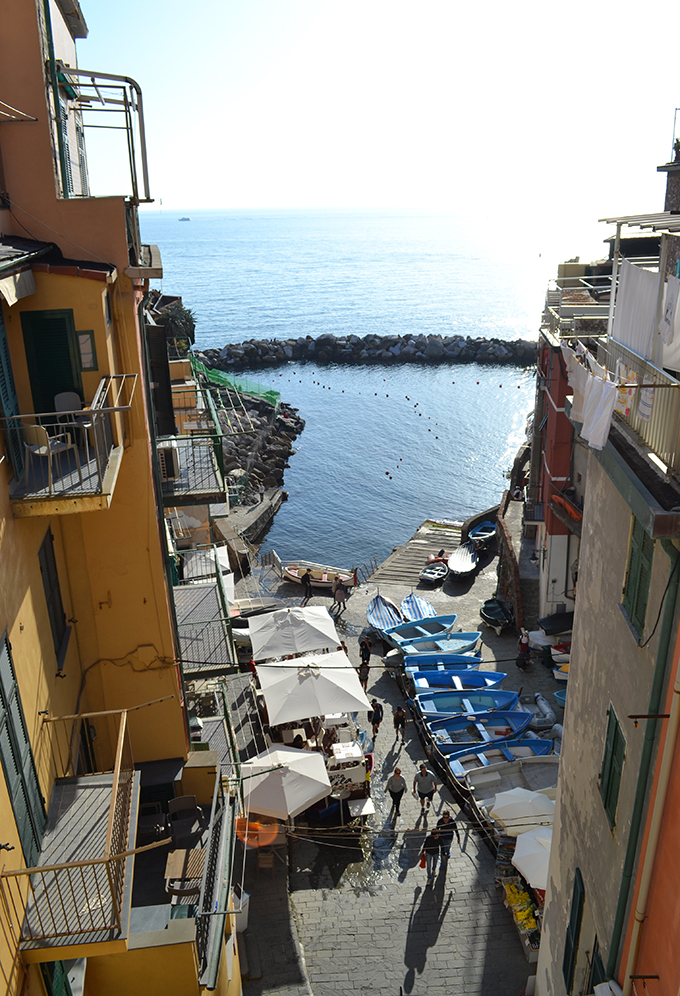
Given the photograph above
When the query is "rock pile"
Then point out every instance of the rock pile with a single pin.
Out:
(371, 349)
(259, 442)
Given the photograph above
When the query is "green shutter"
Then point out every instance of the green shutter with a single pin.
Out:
(52, 355)
(55, 978)
(612, 767)
(638, 575)
(17, 762)
(573, 931)
(10, 404)
(55, 606)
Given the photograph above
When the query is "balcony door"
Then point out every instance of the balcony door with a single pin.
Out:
(52, 356)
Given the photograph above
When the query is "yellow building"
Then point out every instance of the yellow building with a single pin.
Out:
(128, 831)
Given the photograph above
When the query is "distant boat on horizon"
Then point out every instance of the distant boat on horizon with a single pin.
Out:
(185, 219)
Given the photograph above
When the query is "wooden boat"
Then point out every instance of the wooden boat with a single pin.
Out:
(536, 774)
(444, 662)
(463, 560)
(439, 679)
(427, 629)
(561, 653)
(382, 614)
(483, 532)
(506, 750)
(434, 573)
(442, 702)
(561, 673)
(322, 576)
(459, 735)
(453, 643)
(497, 614)
(413, 607)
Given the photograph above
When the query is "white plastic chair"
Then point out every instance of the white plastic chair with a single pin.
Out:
(69, 401)
(37, 443)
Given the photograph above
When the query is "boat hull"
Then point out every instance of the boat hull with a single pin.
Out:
(455, 680)
(441, 703)
(456, 643)
(431, 628)
(463, 560)
(452, 737)
(322, 576)
(507, 750)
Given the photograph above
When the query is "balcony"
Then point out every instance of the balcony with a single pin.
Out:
(192, 462)
(68, 461)
(203, 619)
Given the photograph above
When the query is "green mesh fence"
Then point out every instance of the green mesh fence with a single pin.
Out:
(240, 384)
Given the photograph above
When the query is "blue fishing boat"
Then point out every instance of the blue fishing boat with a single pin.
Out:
(453, 643)
(504, 750)
(460, 734)
(422, 629)
(456, 680)
(434, 573)
(442, 702)
(414, 607)
(483, 531)
(383, 614)
(442, 662)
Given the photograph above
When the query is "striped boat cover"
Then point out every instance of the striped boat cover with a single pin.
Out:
(414, 607)
(382, 614)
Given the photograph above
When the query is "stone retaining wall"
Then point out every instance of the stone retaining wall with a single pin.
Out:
(371, 349)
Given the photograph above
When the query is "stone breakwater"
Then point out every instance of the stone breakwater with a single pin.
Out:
(371, 349)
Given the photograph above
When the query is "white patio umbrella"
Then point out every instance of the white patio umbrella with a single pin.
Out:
(292, 631)
(532, 856)
(284, 781)
(520, 809)
(311, 686)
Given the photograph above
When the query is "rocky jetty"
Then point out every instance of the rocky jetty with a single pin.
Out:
(371, 349)
(259, 442)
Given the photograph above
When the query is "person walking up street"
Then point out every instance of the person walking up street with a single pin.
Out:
(306, 586)
(447, 827)
(261, 493)
(363, 671)
(376, 716)
(425, 784)
(400, 721)
(431, 851)
(396, 786)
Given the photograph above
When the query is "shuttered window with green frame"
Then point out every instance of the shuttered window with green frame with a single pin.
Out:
(612, 766)
(578, 899)
(638, 574)
(18, 765)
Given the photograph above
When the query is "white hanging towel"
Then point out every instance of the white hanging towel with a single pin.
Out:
(645, 403)
(635, 312)
(667, 323)
(577, 375)
(598, 408)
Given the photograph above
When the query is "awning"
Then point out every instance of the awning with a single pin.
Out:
(284, 781)
(311, 686)
(16, 286)
(292, 631)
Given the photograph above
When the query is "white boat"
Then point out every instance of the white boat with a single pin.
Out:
(323, 576)
(463, 560)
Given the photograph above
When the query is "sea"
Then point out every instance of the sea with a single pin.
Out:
(384, 448)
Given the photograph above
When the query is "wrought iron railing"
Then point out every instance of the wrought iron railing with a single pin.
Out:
(67, 453)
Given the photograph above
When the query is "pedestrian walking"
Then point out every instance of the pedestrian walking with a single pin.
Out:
(261, 493)
(340, 597)
(447, 827)
(306, 586)
(375, 717)
(523, 651)
(400, 721)
(364, 671)
(431, 849)
(365, 650)
(396, 786)
(425, 784)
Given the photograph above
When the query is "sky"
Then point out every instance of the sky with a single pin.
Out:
(524, 115)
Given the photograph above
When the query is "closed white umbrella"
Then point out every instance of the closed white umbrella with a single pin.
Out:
(532, 856)
(292, 631)
(311, 686)
(520, 809)
(284, 781)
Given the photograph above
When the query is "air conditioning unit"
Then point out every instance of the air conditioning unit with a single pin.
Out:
(168, 459)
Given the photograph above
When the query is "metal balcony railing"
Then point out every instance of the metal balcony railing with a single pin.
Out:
(80, 900)
(662, 432)
(202, 612)
(67, 453)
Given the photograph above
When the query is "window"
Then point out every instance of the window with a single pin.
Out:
(573, 931)
(107, 308)
(88, 353)
(55, 978)
(17, 762)
(55, 608)
(596, 972)
(612, 766)
(638, 573)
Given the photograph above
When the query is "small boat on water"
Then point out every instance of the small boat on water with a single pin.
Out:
(453, 643)
(434, 573)
(430, 628)
(444, 703)
(485, 756)
(459, 735)
(413, 607)
(463, 560)
(438, 679)
(322, 576)
(483, 532)
(382, 614)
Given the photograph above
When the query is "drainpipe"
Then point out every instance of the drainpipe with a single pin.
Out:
(646, 759)
(55, 96)
(654, 831)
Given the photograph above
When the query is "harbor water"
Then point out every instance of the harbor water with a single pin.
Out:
(384, 447)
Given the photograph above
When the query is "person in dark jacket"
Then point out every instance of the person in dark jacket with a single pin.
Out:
(447, 827)
(431, 849)
(306, 580)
